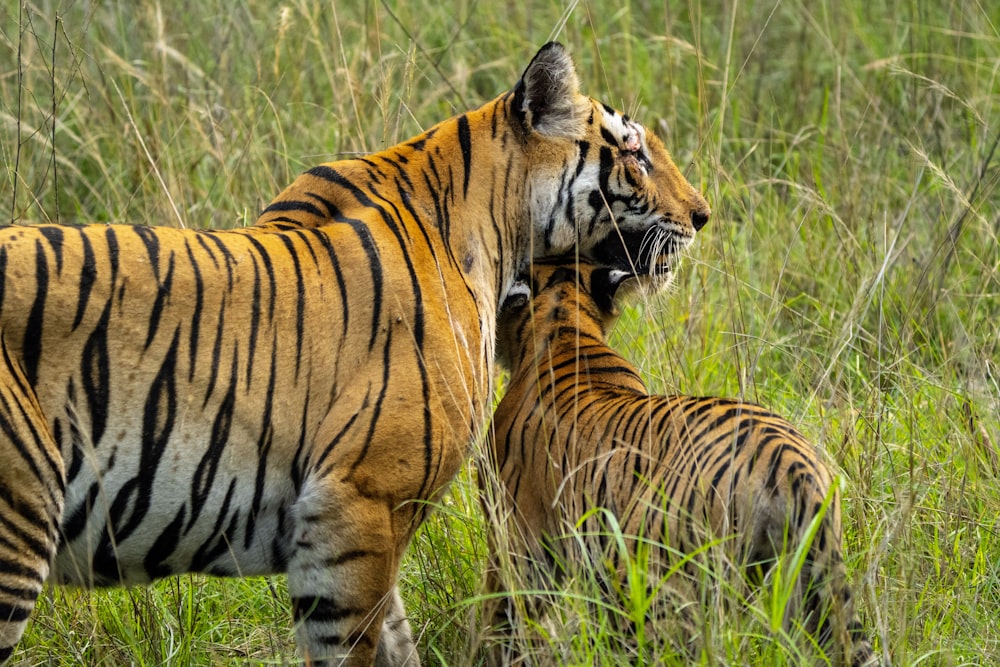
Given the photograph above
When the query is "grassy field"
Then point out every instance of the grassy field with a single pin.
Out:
(849, 279)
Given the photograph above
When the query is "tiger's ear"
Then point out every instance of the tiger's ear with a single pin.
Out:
(549, 91)
(604, 284)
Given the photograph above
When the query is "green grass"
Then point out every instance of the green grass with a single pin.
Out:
(849, 279)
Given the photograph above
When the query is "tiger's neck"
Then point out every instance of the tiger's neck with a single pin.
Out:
(460, 186)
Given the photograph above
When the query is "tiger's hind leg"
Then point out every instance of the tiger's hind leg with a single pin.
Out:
(341, 578)
(825, 600)
(780, 525)
(32, 489)
(828, 605)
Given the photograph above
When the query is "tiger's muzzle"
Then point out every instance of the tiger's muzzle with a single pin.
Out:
(650, 252)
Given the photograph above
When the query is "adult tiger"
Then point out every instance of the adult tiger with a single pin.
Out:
(287, 397)
(577, 434)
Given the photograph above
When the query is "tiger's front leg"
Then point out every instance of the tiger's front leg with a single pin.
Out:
(341, 579)
(395, 646)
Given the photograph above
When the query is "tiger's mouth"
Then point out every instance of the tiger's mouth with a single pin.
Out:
(650, 252)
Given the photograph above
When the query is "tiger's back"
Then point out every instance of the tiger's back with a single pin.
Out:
(577, 431)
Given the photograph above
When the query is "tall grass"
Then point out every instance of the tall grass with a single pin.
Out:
(849, 279)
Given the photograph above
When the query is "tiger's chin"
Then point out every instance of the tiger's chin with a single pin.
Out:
(659, 275)
(650, 279)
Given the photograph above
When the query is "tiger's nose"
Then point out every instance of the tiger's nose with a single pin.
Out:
(699, 218)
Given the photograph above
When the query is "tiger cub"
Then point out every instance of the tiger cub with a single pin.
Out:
(578, 430)
(294, 396)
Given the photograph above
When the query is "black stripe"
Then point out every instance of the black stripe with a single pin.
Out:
(376, 409)
(132, 502)
(272, 282)
(19, 569)
(254, 324)
(584, 148)
(263, 449)
(223, 248)
(331, 252)
(199, 301)
(95, 375)
(164, 546)
(304, 448)
(321, 609)
(465, 142)
(220, 541)
(332, 211)
(216, 358)
(208, 466)
(74, 462)
(76, 519)
(609, 138)
(160, 302)
(26, 541)
(202, 238)
(34, 328)
(348, 556)
(774, 464)
(300, 302)
(88, 275)
(302, 234)
(151, 239)
(303, 206)
(8, 591)
(3, 273)
(404, 198)
(111, 238)
(726, 457)
(420, 142)
(290, 223)
(13, 613)
(602, 198)
(367, 243)
(429, 448)
(54, 235)
(281, 541)
(403, 174)
(321, 456)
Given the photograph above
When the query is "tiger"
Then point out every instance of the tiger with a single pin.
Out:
(292, 396)
(578, 436)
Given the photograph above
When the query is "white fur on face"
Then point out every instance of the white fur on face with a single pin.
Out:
(604, 187)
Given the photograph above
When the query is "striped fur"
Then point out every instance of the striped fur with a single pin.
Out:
(578, 430)
(288, 397)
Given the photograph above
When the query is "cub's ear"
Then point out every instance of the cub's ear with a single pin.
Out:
(549, 91)
(517, 296)
(604, 284)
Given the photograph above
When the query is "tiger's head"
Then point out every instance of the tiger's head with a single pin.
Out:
(560, 295)
(600, 179)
